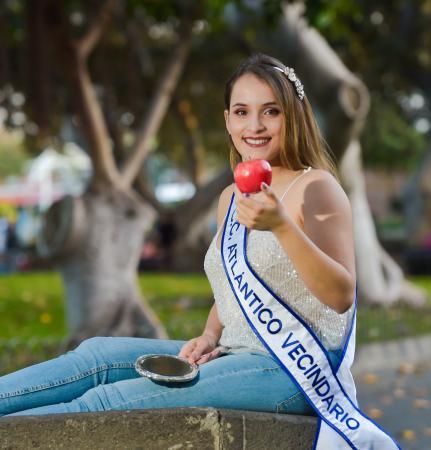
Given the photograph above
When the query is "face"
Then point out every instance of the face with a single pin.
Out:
(254, 119)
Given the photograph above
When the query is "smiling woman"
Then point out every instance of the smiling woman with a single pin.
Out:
(262, 106)
(278, 337)
(254, 120)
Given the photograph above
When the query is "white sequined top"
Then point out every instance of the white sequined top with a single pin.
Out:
(272, 264)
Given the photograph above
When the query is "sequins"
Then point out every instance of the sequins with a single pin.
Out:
(270, 262)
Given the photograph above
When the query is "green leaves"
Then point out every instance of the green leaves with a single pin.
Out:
(388, 139)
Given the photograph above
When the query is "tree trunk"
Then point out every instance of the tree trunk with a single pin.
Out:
(343, 99)
(381, 280)
(96, 241)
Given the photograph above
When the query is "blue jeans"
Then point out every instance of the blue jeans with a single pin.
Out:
(99, 375)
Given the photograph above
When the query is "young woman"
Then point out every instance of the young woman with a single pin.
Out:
(300, 242)
(299, 247)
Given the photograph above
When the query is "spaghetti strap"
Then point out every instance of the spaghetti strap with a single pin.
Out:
(294, 181)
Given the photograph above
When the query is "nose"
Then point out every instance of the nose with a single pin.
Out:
(255, 123)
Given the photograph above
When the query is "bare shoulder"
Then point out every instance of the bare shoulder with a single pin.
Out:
(223, 203)
(321, 191)
(327, 217)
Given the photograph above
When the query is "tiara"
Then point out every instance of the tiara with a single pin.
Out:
(290, 74)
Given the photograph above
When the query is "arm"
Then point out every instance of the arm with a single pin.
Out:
(213, 327)
(319, 244)
(204, 348)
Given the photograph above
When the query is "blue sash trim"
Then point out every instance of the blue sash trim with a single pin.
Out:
(316, 436)
(310, 331)
(349, 334)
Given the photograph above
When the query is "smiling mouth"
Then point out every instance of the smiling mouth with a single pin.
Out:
(256, 142)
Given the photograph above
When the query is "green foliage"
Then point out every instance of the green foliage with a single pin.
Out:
(388, 140)
(387, 45)
(336, 17)
(383, 41)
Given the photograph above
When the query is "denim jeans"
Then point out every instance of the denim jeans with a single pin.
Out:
(99, 375)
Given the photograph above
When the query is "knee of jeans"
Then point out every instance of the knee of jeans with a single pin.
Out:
(92, 343)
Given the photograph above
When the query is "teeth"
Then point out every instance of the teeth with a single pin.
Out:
(256, 141)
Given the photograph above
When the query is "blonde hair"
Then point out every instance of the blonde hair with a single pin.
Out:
(302, 144)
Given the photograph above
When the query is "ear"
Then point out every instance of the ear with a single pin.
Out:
(226, 119)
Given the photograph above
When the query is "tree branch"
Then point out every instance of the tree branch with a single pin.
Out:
(338, 87)
(93, 122)
(142, 187)
(157, 109)
(89, 41)
(201, 201)
(195, 150)
(88, 108)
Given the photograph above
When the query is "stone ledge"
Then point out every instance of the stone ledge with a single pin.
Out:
(159, 429)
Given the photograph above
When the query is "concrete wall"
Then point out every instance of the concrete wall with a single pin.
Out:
(168, 429)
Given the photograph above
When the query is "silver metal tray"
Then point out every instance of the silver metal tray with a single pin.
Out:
(166, 368)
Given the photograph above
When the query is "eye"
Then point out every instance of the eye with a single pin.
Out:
(272, 112)
(240, 112)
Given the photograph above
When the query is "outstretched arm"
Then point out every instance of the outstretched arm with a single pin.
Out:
(320, 247)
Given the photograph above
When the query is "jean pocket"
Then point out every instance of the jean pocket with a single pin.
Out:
(296, 404)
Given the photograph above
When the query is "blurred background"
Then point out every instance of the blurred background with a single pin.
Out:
(113, 153)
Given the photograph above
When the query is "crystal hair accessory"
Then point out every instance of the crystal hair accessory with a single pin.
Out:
(290, 74)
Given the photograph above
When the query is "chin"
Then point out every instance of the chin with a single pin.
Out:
(257, 154)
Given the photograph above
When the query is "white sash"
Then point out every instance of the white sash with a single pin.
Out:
(330, 391)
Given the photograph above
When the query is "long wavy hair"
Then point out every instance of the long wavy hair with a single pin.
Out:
(302, 144)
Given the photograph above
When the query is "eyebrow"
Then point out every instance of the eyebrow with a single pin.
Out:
(264, 104)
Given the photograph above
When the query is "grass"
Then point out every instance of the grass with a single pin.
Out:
(382, 324)
(32, 324)
(181, 301)
(31, 305)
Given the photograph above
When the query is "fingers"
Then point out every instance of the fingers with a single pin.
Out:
(193, 350)
(261, 212)
(256, 204)
(209, 356)
(251, 211)
(187, 349)
(267, 190)
(248, 206)
(198, 351)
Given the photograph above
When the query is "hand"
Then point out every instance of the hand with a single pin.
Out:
(265, 213)
(200, 350)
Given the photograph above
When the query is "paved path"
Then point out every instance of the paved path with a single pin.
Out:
(394, 388)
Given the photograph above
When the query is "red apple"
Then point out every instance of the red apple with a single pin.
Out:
(249, 175)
